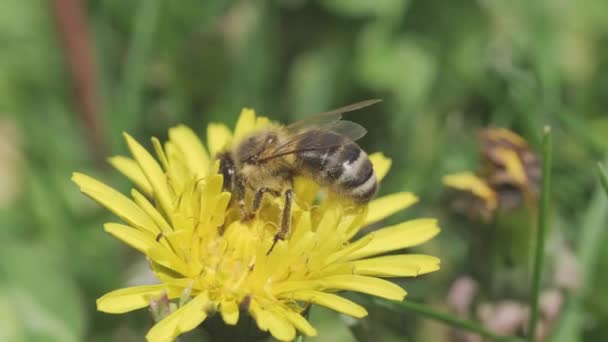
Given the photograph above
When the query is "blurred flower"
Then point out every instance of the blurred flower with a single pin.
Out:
(204, 254)
(482, 200)
(509, 317)
(504, 317)
(510, 167)
(461, 295)
(510, 175)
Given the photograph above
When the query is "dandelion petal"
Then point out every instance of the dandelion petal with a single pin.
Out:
(182, 320)
(407, 265)
(195, 155)
(114, 201)
(331, 301)
(230, 312)
(218, 137)
(370, 285)
(153, 172)
(381, 164)
(385, 206)
(133, 298)
(245, 124)
(131, 170)
(403, 235)
(271, 321)
(137, 239)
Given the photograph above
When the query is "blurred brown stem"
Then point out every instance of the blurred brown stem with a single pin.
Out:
(71, 22)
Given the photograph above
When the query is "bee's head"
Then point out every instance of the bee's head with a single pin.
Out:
(252, 148)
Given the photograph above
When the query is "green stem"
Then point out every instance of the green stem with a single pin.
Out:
(426, 311)
(539, 251)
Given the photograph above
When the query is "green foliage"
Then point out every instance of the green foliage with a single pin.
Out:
(444, 69)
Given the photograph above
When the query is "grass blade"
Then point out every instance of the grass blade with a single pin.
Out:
(539, 250)
(428, 312)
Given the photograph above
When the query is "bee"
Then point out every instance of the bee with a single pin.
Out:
(321, 148)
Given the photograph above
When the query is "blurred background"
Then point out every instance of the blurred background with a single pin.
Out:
(74, 74)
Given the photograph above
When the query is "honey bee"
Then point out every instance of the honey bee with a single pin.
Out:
(321, 148)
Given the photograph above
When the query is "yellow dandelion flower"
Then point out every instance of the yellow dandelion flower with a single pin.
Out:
(468, 181)
(510, 174)
(181, 220)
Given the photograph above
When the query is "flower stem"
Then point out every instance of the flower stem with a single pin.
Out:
(539, 250)
(446, 318)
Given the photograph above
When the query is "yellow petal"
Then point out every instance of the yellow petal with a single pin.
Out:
(194, 152)
(406, 265)
(114, 201)
(137, 239)
(498, 134)
(245, 124)
(270, 321)
(218, 138)
(131, 170)
(230, 312)
(298, 321)
(381, 164)
(155, 175)
(160, 153)
(513, 164)
(152, 212)
(402, 235)
(467, 181)
(305, 189)
(133, 298)
(385, 206)
(349, 249)
(370, 285)
(182, 320)
(331, 301)
(262, 122)
(165, 257)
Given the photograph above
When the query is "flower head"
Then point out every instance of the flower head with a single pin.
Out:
(510, 175)
(197, 244)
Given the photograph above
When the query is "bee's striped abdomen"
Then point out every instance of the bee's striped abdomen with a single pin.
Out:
(344, 167)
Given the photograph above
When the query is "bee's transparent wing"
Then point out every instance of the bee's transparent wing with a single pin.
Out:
(327, 119)
(330, 121)
(302, 142)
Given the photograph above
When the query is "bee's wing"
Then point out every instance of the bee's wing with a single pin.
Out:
(302, 142)
(322, 122)
(327, 119)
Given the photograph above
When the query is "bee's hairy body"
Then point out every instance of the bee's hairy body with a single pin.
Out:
(343, 168)
(321, 148)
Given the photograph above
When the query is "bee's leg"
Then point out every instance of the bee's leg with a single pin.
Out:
(257, 201)
(285, 220)
(259, 195)
(239, 187)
